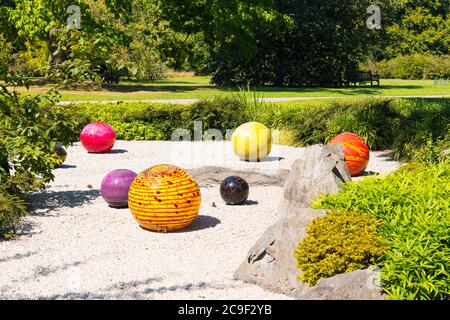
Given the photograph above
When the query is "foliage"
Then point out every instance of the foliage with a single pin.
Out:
(117, 39)
(419, 26)
(5, 51)
(29, 130)
(416, 66)
(72, 55)
(432, 151)
(97, 52)
(423, 122)
(414, 204)
(338, 242)
(147, 121)
(376, 121)
(305, 42)
(403, 125)
(12, 208)
(269, 42)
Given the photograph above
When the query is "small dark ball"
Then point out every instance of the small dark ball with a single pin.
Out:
(234, 190)
(60, 151)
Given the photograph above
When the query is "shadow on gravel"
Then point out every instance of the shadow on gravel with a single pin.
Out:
(201, 223)
(45, 202)
(134, 290)
(268, 159)
(18, 256)
(118, 151)
(40, 272)
(67, 166)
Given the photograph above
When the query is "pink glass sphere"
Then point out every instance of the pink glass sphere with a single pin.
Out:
(98, 137)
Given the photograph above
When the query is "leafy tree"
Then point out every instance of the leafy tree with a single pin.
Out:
(419, 26)
(5, 51)
(278, 42)
(100, 33)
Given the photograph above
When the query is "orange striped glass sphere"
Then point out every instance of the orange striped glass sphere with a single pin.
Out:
(356, 152)
(164, 198)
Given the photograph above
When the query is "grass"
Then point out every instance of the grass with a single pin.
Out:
(195, 87)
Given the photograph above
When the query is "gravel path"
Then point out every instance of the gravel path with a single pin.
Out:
(76, 247)
(282, 99)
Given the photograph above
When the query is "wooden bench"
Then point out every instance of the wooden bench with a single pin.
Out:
(362, 77)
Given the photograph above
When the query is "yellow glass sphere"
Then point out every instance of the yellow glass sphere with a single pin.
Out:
(164, 198)
(252, 141)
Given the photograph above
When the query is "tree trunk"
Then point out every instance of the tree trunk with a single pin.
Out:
(52, 47)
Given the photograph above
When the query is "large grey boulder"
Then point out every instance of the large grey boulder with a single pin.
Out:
(321, 169)
(271, 263)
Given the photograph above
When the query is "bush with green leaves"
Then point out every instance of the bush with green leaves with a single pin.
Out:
(415, 67)
(425, 128)
(29, 130)
(404, 125)
(414, 205)
(150, 121)
(375, 120)
(339, 242)
(407, 126)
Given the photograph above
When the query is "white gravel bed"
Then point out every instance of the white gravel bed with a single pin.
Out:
(76, 247)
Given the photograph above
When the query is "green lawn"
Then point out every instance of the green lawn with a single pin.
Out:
(199, 87)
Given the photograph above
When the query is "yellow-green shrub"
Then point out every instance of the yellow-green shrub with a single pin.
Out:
(339, 242)
(414, 205)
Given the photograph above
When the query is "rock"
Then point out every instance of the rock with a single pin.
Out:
(215, 175)
(321, 169)
(445, 153)
(271, 262)
(356, 285)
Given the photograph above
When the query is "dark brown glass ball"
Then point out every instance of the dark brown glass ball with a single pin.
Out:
(234, 190)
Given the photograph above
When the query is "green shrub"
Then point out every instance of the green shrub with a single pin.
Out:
(376, 121)
(415, 67)
(149, 121)
(404, 125)
(29, 129)
(219, 113)
(308, 124)
(336, 243)
(425, 128)
(12, 208)
(414, 204)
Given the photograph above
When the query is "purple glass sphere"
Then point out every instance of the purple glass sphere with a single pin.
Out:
(115, 187)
